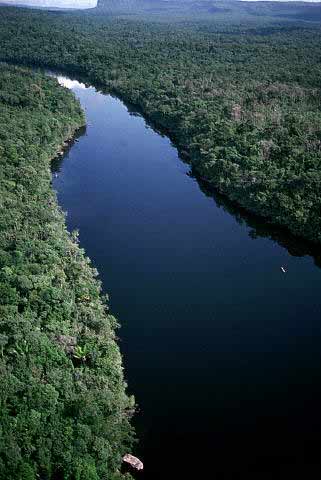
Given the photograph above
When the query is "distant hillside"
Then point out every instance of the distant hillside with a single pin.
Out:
(221, 11)
(168, 8)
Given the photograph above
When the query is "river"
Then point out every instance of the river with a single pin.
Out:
(222, 350)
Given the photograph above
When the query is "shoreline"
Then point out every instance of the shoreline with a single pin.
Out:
(67, 360)
(187, 156)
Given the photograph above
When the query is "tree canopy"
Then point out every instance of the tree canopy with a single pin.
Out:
(64, 410)
(237, 89)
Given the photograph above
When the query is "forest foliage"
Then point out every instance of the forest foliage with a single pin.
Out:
(236, 86)
(64, 412)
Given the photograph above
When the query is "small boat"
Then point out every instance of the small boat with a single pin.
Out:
(283, 270)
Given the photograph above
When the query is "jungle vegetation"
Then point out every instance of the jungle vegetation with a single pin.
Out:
(64, 412)
(235, 84)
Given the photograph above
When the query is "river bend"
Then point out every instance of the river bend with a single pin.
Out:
(222, 350)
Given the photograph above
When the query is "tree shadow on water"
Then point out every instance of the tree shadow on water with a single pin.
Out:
(262, 227)
(58, 160)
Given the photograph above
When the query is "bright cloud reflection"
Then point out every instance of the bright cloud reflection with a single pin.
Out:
(71, 84)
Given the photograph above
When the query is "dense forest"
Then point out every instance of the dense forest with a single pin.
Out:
(236, 86)
(64, 411)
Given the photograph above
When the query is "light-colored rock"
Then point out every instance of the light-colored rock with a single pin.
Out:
(133, 461)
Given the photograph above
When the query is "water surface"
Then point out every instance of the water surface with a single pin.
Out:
(221, 349)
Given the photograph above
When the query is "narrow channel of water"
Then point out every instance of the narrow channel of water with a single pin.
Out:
(221, 349)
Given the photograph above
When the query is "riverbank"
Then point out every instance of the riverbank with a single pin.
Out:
(64, 411)
(204, 304)
(249, 126)
(248, 189)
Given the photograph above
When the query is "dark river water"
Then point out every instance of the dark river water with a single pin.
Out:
(221, 349)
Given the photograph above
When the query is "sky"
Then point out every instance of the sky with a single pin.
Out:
(289, 1)
(92, 3)
(53, 3)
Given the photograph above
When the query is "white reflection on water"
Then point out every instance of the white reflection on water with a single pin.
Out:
(71, 84)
